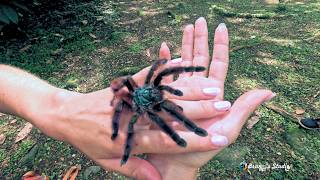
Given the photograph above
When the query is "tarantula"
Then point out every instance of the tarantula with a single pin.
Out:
(148, 100)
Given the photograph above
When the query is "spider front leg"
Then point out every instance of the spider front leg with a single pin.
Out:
(116, 117)
(173, 110)
(167, 129)
(153, 68)
(128, 145)
(169, 89)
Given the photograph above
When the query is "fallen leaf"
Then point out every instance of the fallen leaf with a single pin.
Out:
(2, 138)
(25, 48)
(13, 121)
(93, 36)
(84, 22)
(148, 53)
(72, 173)
(24, 132)
(31, 175)
(299, 111)
(252, 121)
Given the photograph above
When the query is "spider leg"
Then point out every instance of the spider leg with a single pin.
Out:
(173, 110)
(167, 129)
(153, 68)
(119, 83)
(128, 144)
(116, 119)
(176, 92)
(176, 70)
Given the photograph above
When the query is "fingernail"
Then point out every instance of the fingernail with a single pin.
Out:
(270, 97)
(211, 91)
(200, 19)
(219, 140)
(163, 44)
(221, 27)
(222, 105)
(176, 61)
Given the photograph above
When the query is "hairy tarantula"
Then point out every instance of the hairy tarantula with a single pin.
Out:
(148, 100)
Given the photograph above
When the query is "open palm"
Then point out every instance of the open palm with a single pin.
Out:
(224, 127)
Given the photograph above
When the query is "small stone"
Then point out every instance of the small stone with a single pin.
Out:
(84, 22)
(268, 129)
(73, 155)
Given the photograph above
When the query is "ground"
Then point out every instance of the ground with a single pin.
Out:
(82, 45)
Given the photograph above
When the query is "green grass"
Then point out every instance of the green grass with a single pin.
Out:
(281, 52)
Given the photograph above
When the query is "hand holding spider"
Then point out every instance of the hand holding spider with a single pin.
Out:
(224, 128)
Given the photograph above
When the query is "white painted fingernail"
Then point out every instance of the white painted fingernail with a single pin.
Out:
(176, 61)
(219, 140)
(163, 44)
(222, 105)
(270, 97)
(211, 91)
(221, 27)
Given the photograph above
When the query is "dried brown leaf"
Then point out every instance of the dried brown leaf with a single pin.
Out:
(2, 138)
(31, 175)
(93, 36)
(299, 111)
(72, 173)
(252, 121)
(24, 132)
(148, 53)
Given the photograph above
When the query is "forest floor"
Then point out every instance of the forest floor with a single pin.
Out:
(81, 46)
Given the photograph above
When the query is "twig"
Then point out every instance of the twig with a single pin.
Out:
(282, 112)
(244, 46)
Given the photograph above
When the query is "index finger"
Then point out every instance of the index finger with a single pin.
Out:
(220, 59)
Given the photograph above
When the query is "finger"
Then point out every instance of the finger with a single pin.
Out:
(195, 93)
(164, 53)
(187, 48)
(220, 60)
(135, 167)
(201, 48)
(242, 108)
(203, 108)
(247, 103)
(155, 141)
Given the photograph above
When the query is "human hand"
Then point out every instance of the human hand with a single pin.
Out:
(224, 128)
(84, 120)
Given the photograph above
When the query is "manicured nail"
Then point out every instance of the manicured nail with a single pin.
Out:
(200, 19)
(219, 140)
(270, 97)
(211, 91)
(163, 44)
(176, 61)
(222, 105)
(221, 27)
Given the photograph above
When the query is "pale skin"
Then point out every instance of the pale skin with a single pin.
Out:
(83, 120)
(226, 127)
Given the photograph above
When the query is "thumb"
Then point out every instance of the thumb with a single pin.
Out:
(135, 167)
(242, 108)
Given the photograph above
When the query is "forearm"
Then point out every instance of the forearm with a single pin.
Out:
(23, 94)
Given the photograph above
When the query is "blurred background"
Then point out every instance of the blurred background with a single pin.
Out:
(81, 45)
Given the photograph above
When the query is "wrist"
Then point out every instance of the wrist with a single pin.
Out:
(47, 115)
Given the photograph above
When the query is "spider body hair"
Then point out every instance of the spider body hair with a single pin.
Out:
(149, 100)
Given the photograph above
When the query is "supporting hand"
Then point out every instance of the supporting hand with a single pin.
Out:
(224, 128)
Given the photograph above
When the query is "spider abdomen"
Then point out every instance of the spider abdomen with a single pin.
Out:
(146, 96)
